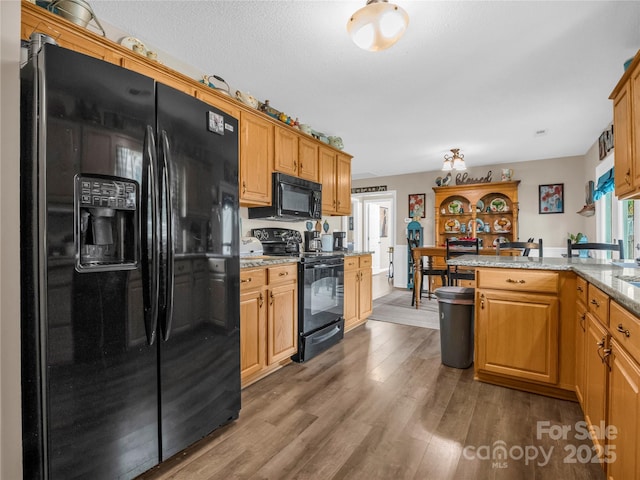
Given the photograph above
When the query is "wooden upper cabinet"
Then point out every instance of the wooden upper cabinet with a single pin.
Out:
(335, 176)
(626, 121)
(327, 167)
(65, 33)
(142, 66)
(215, 100)
(256, 159)
(622, 138)
(343, 184)
(295, 155)
(308, 159)
(286, 151)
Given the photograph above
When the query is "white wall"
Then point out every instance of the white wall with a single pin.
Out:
(553, 228)
(10, 413)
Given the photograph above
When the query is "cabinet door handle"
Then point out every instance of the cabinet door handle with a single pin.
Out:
(295, 165)
(583, 317)
(270, 298)
(244, 187)
(260, 300)
(283, 274)
(482, 301)
(580, 289)
(595, 302)
(600, 347)
(621, 329)
(511, 280)
(627, 176)
(245, 280)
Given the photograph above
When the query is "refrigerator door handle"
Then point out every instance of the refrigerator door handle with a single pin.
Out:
(170, 249)
(150, 259)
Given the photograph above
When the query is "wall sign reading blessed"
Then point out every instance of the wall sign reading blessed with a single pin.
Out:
(379, 188)
(465, 179)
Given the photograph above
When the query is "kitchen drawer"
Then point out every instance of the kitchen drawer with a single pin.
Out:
(599, 304)
(625, 328)
(282, 274)
(581, 290)
(351, 263)
(252, 278)
(517, 280)
(365, 261)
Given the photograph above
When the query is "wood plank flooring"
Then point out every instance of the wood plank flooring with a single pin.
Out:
(380, 405)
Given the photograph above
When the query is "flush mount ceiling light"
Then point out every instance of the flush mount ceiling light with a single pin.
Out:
(455, 161)
(377, 25)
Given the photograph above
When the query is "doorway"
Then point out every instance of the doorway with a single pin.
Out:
(372, 226)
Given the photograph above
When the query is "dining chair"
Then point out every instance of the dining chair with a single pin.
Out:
(525, 246)
(611, 247)
(456, 248)
(426, 270)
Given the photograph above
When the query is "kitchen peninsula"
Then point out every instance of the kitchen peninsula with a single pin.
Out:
(568, 328)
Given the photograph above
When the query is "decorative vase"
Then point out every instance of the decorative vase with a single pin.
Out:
(309, 226)
(326, 227)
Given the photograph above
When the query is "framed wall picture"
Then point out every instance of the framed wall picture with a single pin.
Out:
(551, 198)
(417, 205)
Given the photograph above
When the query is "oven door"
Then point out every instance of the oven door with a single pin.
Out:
(322, 295)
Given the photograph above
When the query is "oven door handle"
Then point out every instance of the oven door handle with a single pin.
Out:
(327, 335)
(324, 265)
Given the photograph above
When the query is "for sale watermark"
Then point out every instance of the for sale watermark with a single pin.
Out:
(499, 453)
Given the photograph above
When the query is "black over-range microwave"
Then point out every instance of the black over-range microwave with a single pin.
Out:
(293, 199)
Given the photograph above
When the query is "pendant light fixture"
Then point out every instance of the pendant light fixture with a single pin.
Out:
(377, 25)
(454, 162)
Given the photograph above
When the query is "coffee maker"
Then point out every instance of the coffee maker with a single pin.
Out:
(312, 241)
(338, 241)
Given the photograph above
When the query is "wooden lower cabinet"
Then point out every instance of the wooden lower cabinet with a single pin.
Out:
(595, 394)
(268, 320)
(581, 337)
(524, 330)
(518, 335)
(358, 294)
(624, 416)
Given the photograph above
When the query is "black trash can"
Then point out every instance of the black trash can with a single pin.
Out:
(455, 305)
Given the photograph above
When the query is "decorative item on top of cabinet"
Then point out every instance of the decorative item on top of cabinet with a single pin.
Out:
(488, 211)
(626, 120)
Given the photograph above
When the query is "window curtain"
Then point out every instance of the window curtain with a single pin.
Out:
(604, 186)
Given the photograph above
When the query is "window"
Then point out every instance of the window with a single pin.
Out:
(616, 218)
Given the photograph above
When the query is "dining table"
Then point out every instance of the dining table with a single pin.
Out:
(435, 251)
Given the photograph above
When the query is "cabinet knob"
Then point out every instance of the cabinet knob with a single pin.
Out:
(580, 289)
(595, 302)
(621, 329)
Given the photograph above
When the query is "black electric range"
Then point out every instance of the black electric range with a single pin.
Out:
(320, 290)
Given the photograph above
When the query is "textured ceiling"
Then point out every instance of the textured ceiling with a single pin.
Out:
(477, 75)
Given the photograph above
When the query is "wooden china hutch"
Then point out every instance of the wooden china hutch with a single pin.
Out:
(488, 211)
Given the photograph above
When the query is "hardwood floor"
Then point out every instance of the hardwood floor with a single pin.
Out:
(380, 405)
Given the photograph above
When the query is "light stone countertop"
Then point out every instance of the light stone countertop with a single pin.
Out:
(604, 274)
(266, 260)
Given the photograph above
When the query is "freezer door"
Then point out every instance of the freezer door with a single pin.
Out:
(89, 373)
(200, 296)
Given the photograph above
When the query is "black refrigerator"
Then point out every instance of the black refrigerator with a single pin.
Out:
(130, 269)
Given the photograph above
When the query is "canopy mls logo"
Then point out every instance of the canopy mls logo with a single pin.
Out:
(499, 453)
